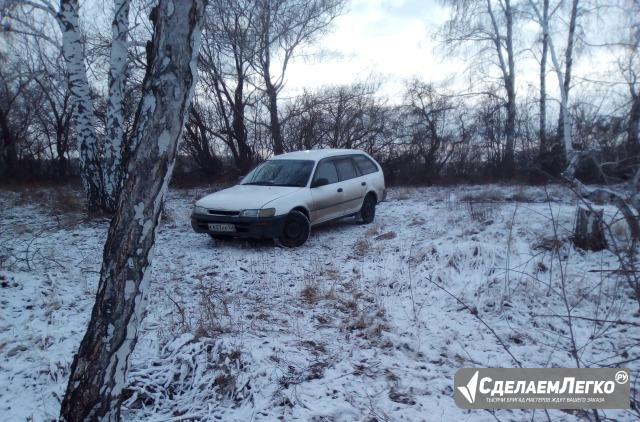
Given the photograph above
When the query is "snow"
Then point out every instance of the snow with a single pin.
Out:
(351, 326)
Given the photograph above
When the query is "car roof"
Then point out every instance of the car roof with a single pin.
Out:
(315, 154)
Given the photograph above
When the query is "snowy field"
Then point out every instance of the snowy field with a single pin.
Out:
(362, 323)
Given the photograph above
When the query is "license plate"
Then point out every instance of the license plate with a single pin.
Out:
(228, 228)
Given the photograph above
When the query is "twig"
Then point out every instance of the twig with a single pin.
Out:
(473, 311)
(603, 321)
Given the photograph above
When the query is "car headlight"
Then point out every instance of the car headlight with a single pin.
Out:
(264, 213)
(199, 210)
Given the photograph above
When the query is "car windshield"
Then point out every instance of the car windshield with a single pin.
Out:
(280, 173)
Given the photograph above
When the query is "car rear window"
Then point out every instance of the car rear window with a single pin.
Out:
(365, 165)
(326, 170)
(346, 168)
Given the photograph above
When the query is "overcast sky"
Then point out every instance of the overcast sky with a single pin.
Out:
(392, 41)
(389, 40)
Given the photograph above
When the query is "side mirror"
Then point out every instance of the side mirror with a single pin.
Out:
(240, 179)
(319, 182)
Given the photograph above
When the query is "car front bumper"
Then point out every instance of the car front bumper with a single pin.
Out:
(246, 227)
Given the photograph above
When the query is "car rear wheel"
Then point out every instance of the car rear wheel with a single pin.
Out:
(296, 230)
(368, 210)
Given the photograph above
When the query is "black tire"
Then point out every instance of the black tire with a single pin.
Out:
(368, 210)
(296, 230)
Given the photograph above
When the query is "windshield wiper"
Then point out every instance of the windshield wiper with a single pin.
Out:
(259, 183)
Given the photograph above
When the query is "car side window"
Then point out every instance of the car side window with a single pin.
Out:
(346, 168)
(326, 170)
(365, 165)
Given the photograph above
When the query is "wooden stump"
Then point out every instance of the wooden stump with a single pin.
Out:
(589, 232)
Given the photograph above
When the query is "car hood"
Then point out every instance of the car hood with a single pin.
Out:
(244, 197)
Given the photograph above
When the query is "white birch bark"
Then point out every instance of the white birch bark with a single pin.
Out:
(564, 104)
(507, 67)
(85, 120)
(563, 79)
(99, 368)
(114, 130)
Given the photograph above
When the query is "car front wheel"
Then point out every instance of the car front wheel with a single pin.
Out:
(368, 210)
(296, 230)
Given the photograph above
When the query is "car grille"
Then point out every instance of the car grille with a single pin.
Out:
(222, 212)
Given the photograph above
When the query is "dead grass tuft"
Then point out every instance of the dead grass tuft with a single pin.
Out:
(362, 247)
(57, 200)
(310, 295)
(386, 236)
(481, 212)
(483, 195)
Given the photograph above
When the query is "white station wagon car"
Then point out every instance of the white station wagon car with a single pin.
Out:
(285, 196)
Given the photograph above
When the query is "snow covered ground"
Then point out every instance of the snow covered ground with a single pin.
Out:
(361, 323)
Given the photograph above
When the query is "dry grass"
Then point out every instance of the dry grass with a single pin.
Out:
(488, 194)
(386, 236)
(310, 295)
(57, 200)
(362, 247)
(481, 211)
(402, 194)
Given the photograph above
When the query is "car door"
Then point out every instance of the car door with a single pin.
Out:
(370, 175)
(352, 183)
(326, 193)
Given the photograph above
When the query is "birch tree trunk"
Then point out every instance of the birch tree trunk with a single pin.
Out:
(564, 120)
(272, 101)
(274, 119)
(564, 79)
(543, 78)
(112, 171)
(633, 127)
(507, 67)
(99, 368)
(85, 121)
(511, 93)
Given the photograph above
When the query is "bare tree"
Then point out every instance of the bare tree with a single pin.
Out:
(282, 27)
(564, 81)
(78, 85)
(56, 112)
(431, 126)
(226, 63)
(13, 115)
(345, 116)
(489, 24)
(100, 180)
(197, 142)
(563, 71)
(112, 170)
(631, 71)
(99, 368)
(542, 131)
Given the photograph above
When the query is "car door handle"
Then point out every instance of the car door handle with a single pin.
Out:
(364, 183)
(339, 189)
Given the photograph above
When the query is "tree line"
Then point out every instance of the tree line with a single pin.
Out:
(494, 130)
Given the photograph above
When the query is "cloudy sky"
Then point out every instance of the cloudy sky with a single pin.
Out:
(392, 41)
(388, 40)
